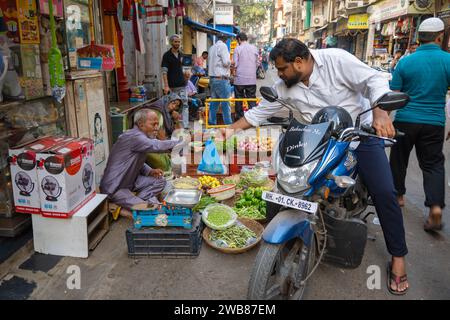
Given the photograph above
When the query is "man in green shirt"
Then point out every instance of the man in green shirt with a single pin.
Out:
(425, 77)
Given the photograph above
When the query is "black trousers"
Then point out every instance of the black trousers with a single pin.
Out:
(428, 140)
(248, 91)
(373, 168)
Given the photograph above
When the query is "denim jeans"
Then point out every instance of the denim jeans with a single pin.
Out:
(220, 89)
(181, 91)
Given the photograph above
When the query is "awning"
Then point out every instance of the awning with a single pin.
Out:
(206, 29)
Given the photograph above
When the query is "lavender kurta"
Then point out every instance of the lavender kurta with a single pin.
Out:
(246, 62)
(127, 172)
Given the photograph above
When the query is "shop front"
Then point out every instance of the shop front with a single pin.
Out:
(358, 25)
(394, 26)
(444, 13)
(32, 105)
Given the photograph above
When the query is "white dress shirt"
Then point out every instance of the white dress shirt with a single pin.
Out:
(338, 79)
(219, 60)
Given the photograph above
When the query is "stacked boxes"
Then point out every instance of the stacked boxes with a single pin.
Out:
(137, 94)
(66, 178)
(53, 176)
(24, 175)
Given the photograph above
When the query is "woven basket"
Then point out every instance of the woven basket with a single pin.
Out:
(251, 224)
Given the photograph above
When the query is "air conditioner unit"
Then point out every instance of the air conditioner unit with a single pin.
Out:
(317, 21)
(351, 4)
(422, 5)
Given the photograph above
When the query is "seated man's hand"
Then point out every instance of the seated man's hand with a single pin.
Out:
(157, 173)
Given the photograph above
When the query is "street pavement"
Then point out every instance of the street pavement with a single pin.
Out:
(110, 274)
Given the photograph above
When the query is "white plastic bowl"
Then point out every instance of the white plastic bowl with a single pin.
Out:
(233, 216)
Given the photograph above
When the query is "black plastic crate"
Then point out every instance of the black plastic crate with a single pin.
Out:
(166, 242)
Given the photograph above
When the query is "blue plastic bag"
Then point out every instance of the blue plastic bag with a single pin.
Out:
(211, 162)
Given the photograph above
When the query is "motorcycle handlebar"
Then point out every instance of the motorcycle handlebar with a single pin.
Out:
(371, 130)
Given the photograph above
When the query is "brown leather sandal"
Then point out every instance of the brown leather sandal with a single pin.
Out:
(428, 226)
(397, 279)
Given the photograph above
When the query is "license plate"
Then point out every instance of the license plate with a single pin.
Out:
(290, 202)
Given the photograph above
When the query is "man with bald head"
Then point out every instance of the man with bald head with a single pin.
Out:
(128, 180)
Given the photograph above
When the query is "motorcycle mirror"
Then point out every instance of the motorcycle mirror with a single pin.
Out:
(344, 181)
(393, 101)
(269, 94)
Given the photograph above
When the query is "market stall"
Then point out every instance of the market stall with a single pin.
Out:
(231, 208)
(223, 195)
(393, 26)
(48, 99)
(26, 110)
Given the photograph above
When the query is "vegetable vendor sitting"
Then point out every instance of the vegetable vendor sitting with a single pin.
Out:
(167, 110)
(128, 180)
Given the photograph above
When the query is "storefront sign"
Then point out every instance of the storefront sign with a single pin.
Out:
(224, 15)
(445, 6)
(28, 22)
(444, 15)
(358, 21)
(444, 12)
(387, 9)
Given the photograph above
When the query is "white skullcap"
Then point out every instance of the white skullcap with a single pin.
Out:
(431, 25)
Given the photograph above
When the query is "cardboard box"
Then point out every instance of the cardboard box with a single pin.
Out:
(24, 175)
(66, 176)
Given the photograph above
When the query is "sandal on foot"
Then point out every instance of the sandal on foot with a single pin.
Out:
(427, 226)
(397, 279)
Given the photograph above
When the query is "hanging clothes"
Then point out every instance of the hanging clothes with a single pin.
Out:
(180, 8)
(137, 30)
(155, 14)
(110, 7)
(128, 10)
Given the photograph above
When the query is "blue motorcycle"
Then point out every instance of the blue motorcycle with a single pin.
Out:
(318, 201)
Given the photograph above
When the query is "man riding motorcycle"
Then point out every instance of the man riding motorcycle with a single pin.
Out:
(314, 79)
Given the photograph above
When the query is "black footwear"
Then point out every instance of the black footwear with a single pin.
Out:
(397, 279)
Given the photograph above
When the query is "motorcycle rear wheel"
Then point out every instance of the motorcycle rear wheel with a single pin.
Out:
(276, 268)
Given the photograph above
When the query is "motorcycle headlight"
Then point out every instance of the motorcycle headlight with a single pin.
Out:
(294, 180)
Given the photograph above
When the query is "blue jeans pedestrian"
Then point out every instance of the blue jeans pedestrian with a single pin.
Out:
(220, 89)
(374, 169)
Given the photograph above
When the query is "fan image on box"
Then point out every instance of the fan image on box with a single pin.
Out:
(51, 188)
(23, 182)
(88, 177)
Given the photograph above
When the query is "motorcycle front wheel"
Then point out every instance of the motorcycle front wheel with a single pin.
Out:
(279, 270)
